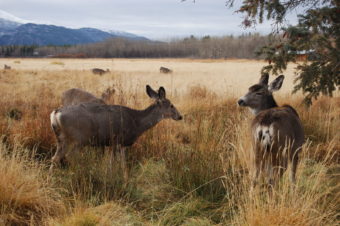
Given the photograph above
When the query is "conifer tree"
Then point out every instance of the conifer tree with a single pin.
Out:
(317, 35)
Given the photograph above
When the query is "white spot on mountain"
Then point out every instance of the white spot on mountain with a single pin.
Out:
(7, 16)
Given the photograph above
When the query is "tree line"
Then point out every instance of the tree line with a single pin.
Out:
(243, 46)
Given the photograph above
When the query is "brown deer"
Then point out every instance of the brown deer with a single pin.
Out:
(98, 71)
(108, 94)
(165, 70)
(76, 96)
(6, 67)
(277, 132)
(107, 125)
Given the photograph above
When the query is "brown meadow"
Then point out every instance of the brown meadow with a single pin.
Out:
(193, 172)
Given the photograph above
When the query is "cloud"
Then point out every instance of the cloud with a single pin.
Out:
(153, 18)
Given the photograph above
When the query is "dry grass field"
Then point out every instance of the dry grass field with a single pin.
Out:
(223, 77)
(189, 172)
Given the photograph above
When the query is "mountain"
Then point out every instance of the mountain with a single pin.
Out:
(14, 32)
(127, 35)
(40, 34)
(7, 26)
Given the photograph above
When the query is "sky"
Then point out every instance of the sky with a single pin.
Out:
(154, 19)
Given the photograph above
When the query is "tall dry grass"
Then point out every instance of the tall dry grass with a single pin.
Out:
(193, 172)
(26, 197)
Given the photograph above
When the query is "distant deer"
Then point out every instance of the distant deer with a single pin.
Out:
(165, 70)
(6, 67)
(76, 96)
(108, 94)
(107, 125)
(277, 132)
(98, 71)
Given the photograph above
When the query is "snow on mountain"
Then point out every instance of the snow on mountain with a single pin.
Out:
(9, 17)
(17, 31)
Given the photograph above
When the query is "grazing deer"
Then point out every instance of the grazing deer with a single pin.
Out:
(98, 71)
(6, 67)
(165, 70)
(277, 132)
(76, 96)
(108, 94)
(107, 125)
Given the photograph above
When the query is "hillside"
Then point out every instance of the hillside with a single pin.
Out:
(16, 33)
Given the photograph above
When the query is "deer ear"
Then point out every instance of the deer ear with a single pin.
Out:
(264, 79)
(161, 93)
(276, 84)
(151, 93)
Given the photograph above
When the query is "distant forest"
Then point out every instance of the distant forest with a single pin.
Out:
(243, 46)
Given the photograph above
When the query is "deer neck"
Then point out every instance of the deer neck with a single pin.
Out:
(267, 104)
(148, 118)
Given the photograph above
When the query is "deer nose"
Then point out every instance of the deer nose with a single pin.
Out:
(180, 117)
(240, 102)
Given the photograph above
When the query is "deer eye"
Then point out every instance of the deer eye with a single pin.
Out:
(172, 106)
(258, 94)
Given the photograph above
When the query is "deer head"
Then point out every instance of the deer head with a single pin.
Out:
(165, 107)
(260, 95)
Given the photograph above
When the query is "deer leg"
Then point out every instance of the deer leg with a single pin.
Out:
(255, 177)
(270, 174)
(294, 168)
(64, 162)
(102, 149)
(59, 155)
(256, 173)
(254, 181)
(112, 153)
(123, 163)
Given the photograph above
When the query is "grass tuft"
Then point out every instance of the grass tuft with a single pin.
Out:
(26, 198)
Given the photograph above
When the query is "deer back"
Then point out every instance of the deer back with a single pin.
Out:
(76, 96)
(100, 125)
(277, 128)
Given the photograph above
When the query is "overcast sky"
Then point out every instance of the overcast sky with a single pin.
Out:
(154, 19)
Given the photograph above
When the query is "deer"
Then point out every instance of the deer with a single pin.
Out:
(6, 67)
(165, 70)
(76, 96)
(108, 94)
(277, 132)
(107, 125)
(98, 71)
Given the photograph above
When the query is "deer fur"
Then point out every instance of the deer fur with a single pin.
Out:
(107, 125)
(277, 132)
(76, 96)
(98, 71)
(165, 70)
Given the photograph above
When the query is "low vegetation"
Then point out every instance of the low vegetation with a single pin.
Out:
(26, 196)
(57, 63)
(192, 172)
